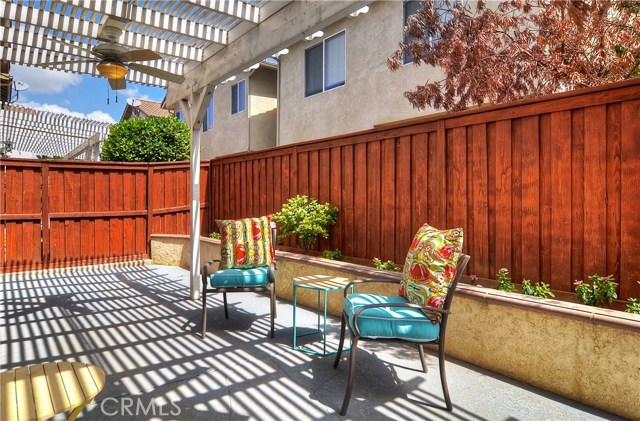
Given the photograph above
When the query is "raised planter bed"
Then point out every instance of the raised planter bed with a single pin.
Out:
(583, 353)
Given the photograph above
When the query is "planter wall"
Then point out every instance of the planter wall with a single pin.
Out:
(583, 353)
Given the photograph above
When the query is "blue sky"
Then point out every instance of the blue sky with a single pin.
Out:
(77, 95)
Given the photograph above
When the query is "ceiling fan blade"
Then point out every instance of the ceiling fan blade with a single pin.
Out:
(152, 71)
(117, 84)
(55, 63)
(139, 55)
(71, 45)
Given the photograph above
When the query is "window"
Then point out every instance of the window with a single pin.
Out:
(180, 115)
(411, 7)
(207, 124)
(239, 97)
(324, 65)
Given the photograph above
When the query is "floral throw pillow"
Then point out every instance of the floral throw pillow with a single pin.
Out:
(245, 243)
(430, 267)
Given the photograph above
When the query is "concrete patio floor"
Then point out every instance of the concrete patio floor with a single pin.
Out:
(138, 324)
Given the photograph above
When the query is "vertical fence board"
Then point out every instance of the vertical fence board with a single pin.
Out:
(348, 241)
(630, 198)
(403, 203)
(388, 206)
(546, 190)
(561, 200)
(595, 179)
(418, 180)
(360, 222)
(613, 190)
(577, 194)
(479, 185)
(373, 199)
(530, 199)
(504, 203)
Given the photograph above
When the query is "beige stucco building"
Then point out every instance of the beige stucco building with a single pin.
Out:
(281, 107)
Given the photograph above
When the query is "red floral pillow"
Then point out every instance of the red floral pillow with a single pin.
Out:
(245, 243)
(430, 267)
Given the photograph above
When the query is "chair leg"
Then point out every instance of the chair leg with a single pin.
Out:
(272, 291)
(226, 308)
(341, 343)
(352, 372)
(443, 377)
(423, 360)
(204, 313)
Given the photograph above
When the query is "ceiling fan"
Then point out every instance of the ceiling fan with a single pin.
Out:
(115, 60)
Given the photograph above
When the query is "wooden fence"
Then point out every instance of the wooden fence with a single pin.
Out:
(66, 213)
(549, 188)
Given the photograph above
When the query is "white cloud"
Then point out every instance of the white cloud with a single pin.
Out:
(101, 116)
(45, 81)
(134, 93)
(53, 108)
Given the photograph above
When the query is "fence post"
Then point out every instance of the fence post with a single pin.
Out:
(149, 207)
(46, 223)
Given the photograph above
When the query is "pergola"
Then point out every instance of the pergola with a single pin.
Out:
(48, 133)
(204, 41)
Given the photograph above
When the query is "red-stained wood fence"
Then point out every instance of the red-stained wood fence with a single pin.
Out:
(549, 188)
(67, 213)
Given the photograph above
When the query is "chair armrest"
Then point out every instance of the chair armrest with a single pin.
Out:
(367, 281)
(205, 269)
(393, 305)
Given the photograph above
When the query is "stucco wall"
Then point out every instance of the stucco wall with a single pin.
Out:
(252, 129)
(586, 354)
(263, 106)
(372, 93)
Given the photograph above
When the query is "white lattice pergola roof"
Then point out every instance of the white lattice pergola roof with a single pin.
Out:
(183, 32)
(47, 133)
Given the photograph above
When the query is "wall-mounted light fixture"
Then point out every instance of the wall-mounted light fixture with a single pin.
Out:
(362, 10)
(316, 34)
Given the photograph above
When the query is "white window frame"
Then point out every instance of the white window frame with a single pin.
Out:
(245, 97)
(323, 42)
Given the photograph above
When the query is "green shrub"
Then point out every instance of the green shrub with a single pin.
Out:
(633, 306)
(504, 281)
(600, 292)
(305, 218)
(152, 139)
(540, 289)
(215, 235)
(388, 265)
(332, 254)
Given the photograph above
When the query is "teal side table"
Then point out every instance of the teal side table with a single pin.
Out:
(321, 284)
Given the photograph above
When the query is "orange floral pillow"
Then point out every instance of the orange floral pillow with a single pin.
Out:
(245, 243)
(430, 267)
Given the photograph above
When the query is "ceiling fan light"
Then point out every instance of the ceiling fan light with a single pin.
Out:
(112, 70)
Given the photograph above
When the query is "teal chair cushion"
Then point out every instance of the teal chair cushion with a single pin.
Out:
(240, 278)
(408, 324)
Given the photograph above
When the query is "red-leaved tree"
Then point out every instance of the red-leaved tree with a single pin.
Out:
(519, 48)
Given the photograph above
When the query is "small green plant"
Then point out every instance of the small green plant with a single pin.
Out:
(388, 265)
(332, 254)
(504, 281)
(600, 292)
(305, 218)
(540, 289)
(215, 235)
(633, 306)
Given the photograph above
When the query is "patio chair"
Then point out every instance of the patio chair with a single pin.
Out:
(246, 263)
(419, 313)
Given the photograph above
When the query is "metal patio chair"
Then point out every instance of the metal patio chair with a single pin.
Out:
(246, 265)
(376, 317)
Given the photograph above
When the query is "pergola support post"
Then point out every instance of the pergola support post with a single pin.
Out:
(194, 110)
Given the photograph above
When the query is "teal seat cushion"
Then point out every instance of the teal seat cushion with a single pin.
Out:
(408, 324)
(240, 278)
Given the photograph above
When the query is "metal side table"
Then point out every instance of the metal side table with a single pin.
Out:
(321, 284)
